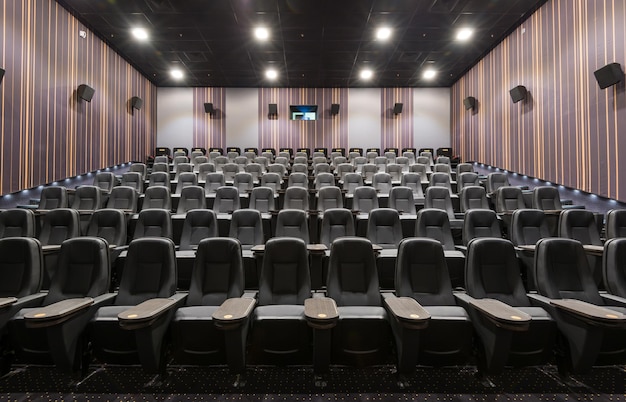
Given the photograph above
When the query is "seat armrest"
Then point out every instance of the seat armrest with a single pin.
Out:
(321, 312)
(57, 313)
(7, 301)
(144, 314)
(590, 313)
(539, 301)
(612, 300)
(104, 300)
(51, 249)
(316, 248)
(501, 314)
(458, 215)
(462, 249)
(407, 311)
(233, 312)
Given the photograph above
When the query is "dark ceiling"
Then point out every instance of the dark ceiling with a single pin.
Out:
(313, 43)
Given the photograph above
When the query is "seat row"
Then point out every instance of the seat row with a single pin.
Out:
(146, 321)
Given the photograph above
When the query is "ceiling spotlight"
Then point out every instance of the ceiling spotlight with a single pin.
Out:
(262, 33)
(366, 74)
(271, 74)
(177, 74)
(140, 33)
(383, 33)
(429, 74)
(464, 34)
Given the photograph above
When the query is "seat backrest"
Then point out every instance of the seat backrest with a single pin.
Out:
(262, 199)
(480, 223)
(464, 168)
(21, 266)
(466, 179)
(509, 198)
(199, 224)
(104, 181)
(614, 266)
(140, 168)
(160, 167)
(303, 168)
(473, 197)
(292, 223)
(359, 162)
(329, 197)
(351, 181)
(17, 222)
(440, 179)
(365, 199)
(395, 171)
(320, 168)
(285, 277)
(226, 199)
(83, 270)
(157, 197)
(439, 197)
(159, 179)
(59, 225)
(547, 198)
(562, 271)
(123, 197)
(191, 197)
(271, 180)
(109, 224)
(422, 272)
(153, 222)
(134, 180)
(319, 158)
(183, 168)
(255, 170)
(492, 271)
(443, 160)
(383, 227)
(281, 160)
(246, 226)
(149, 271)
(186, 179)
(53, 197)
(296, 198)
(496, 180)
(336, 223)
(528, 226)
(243, 182)
(435, 224)
(204, 169)
(382, 182)
(214, 181)
(401, 199)
(87, 198)
(300, 159)
(352, 275)
(324, 180)
(442, 168)
(343, 169)
(579, 224)
(298, 179)
(615, 223)
(369, 170)
(413, 181)
(217, 272)
(421, 170)
(277, 168)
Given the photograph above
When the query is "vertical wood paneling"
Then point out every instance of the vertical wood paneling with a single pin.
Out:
(568, 131)
(396, 129)
(47, 133)
(209, 130)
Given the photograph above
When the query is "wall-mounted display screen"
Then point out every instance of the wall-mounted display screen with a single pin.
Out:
(303, 112)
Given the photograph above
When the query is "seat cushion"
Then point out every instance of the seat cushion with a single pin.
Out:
(195, 313)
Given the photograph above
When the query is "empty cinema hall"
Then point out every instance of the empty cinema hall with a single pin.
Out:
(313, 200)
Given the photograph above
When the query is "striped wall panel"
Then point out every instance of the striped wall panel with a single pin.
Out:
(46, 133)
(327, 131)
(568, 131)
(209, 130)
(397, 129)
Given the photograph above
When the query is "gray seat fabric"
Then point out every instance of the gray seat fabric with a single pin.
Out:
(191, 197)
(134, 180)
(226, 200)
(53, 197)
(615, 223)
(157, 197)
(546, 198)
(213, 181)
(365, 199)
(153, 222)
(329, 197)
(296, 198)
(480, 223)
(105, 181)
(109, 224)
(383, 228)
(473, 197)
(59, 225)
(292, 223)
(199, 224)
(401, 199)
(246, 226)
(439, 197)
(159, 179)
(336, 223)
(124, 198)
(17, 222)
(509, 199)
(466, 179)
(262, 199)
(496, 180)
(186, 179)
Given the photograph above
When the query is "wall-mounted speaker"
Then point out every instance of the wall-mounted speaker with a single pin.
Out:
(518, 93)
(85, 92)
(334, 109)
(208, 108)
(136, 102)
(272, 109)
(469, 102)
(609, 75)
(1, 74)
(397, 108)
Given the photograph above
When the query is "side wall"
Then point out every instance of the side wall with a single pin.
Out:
(568, 130)
(46, 132)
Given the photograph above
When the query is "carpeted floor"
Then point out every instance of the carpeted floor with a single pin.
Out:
(298, 384)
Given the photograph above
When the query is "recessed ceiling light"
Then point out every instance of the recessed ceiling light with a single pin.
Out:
(429, 74)
(271, 74)
(464, 34)
(366, 74)
(177, 74)
(262, 33)
(140, 33)
(383, 33)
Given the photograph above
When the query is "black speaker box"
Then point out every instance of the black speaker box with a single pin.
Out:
(334, 109)
(397, 108)
(1, 74)
(208, 108)
(609, 75)
(136, 102)
(518, 93)
(85, 92)
(469, 102)
(273, 109)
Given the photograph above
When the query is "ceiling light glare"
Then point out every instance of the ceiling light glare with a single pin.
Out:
(177, 74)
(140, 33)
(366, 74)
(429, 74)
(464, 34)
(383, 33)
(271, 74)
(262, 33)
